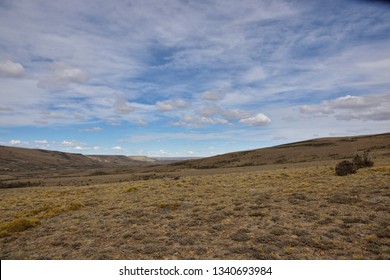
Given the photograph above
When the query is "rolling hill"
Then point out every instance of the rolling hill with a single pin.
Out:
(14, 159)
(22, 159)
(304, 151)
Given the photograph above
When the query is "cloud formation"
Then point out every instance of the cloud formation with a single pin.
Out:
(94, 129)
(258, 120)
(349, 107)
(61, 74)
(11, 69)
(171, 105)
(206, 66)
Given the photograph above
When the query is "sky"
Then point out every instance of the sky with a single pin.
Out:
(173, 78)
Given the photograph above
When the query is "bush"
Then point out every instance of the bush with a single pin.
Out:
(345, 167)
(362, 162)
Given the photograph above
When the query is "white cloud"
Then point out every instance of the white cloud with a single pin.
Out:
(5, 108)
(94, 129)
(212, 95)
(62, 74)
(117, 148)
(53, 115)
(171, 105)
(254, 74)
(141, 123)
(235, 114)
(11, 69)
(316, 110)
(258, 120)
(66, 143)
(349, 107)
(122, 106)
(41, 142)
(358, 102)
(197, 122)
(210, 110)
(15, 142)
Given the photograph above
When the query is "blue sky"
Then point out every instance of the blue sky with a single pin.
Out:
(190, 78)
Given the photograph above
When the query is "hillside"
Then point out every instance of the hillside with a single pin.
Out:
(31, 160)
(21, 159)
(305, 151)
(121, 160)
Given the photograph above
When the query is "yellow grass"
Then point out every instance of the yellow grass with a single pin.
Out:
(289, 212)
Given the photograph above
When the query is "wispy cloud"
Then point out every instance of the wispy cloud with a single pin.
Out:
(94, 129)
(171, 105)
(170, 65)
(62, 75)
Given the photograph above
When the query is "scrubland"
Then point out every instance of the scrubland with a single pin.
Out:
(289, 211)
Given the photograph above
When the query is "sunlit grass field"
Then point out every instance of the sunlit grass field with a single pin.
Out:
(286, 212)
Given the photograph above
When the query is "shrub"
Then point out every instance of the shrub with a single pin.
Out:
(345, 167)
(361, 162)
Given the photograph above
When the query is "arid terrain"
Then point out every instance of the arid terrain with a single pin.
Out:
(283, 202)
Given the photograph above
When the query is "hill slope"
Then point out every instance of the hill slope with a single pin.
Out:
(305, 151)
(22, 159)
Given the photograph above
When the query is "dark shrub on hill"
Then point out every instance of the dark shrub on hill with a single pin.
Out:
(361, 162)
(345, 167)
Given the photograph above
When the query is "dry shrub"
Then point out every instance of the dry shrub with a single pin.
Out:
(362, 161)
(345, 167)
(241, 235)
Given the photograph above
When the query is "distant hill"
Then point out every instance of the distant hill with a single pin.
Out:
(121, 160)
(22, 159)
(143, 158)
(304, 151)
(18, 159)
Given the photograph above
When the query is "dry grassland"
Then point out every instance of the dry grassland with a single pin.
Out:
(290, 212)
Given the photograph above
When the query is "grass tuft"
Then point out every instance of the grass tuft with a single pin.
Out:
(131, 189)
(168, 206)
(17, 226)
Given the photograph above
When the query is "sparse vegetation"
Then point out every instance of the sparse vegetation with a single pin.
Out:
(277, 213)
(291, 210)
(99, 173)
(346, 167)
